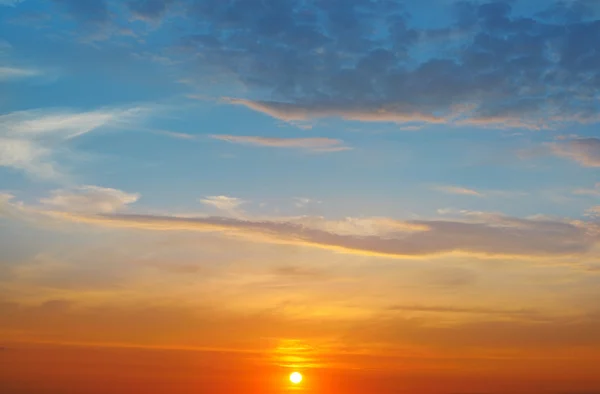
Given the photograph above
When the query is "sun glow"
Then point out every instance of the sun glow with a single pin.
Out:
(296, 377)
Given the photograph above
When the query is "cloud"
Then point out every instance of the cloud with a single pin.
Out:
(489, 65)
(149, 10)
(16, 73)
(462, 310)
(300, 112)
(451, 189)
(27, 156)
(167, 133)
(62, 123)
(593, 268)
(79, 269)
(301, 202)
(224, 203)
(96, 20)
(312, 144)
(176, 135)
(490, 235)
(29, 140)
(358, 226)
(459, 190)
(298, 272)
(589, 192)
(88, 199)
(585, 151)
(594, 211)
(11, 3)
(449, 277)
(89, 11)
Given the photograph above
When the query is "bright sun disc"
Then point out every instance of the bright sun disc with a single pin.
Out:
(296, 377)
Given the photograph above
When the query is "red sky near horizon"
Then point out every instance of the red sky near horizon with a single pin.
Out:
(44, 368)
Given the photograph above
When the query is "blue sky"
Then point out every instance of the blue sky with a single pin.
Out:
(365, 108)
(286, 136)
(184, 62)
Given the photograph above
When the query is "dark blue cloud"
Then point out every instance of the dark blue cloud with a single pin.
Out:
(487, 65)
(478, 63)
(568, 11)
(90, 11)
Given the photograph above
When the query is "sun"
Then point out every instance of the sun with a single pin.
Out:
(296, 377)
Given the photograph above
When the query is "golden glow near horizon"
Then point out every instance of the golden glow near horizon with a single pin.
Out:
(296, 377)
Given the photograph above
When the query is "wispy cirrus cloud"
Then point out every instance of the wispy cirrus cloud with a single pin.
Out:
(465, 191)
(311, 144)
(64, 124)
(174, 134)
(29, 140)
(17, 73)
(458, 190)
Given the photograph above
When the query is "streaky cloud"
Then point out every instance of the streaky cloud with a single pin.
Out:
(29, 140)
(484, 235)
(17, 73)
(463, 310)
(302, 112)
(312, 144)
(459, 190)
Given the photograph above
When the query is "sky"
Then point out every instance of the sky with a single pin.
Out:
(386, 196)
